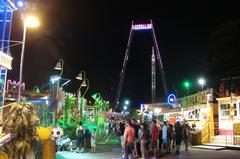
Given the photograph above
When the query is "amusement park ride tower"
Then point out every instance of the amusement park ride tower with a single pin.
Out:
(6, 13)
(139, 27)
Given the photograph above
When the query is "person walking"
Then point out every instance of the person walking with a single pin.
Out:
(93, 141)
(136, 127)
(174, 137)
(164, 136)
(186, 135)
(129, 135)
(160, 140)
(106, 128)
(154, 138)
(178, 134)
(142, 137)
(80, 137)
(148, 140)
(170, 136)
(87, 138)
(121, 130)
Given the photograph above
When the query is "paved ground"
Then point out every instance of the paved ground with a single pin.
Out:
(114, 152)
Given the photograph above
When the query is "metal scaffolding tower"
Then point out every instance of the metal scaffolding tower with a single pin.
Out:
(138, 27)
(153, 76)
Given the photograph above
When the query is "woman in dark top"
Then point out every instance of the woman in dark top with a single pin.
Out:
(170, 137)
(178, 134)
(160, 138)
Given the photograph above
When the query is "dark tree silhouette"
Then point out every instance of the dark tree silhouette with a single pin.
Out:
(223, 55)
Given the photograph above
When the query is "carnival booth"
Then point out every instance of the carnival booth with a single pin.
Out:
(197, 110)
(229, 119)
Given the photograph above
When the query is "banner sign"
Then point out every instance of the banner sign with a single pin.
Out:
(173, 117)
(197, 98)
(5, 60)
(142, 26)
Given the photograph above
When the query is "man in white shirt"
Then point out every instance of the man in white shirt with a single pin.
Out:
(164, 135)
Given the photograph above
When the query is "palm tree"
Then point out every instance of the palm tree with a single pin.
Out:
(21, 121)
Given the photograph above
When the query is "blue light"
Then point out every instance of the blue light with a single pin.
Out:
(20, 4)
(171, 99)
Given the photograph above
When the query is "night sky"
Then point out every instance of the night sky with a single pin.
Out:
(92, 36)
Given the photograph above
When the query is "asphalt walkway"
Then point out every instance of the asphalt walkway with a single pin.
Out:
(114, 152)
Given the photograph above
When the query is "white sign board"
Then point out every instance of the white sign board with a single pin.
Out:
(142, 26)
(192, 114)
(5, 60)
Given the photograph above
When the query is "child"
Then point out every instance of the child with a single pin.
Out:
(93, 141)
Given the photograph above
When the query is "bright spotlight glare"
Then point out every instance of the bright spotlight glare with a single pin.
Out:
(31, 21)
(201, 81)
(20, 4)
(127, 102)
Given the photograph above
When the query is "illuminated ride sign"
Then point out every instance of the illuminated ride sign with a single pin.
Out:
(5, 60)
(14, 85)
(142, 26)
(171, 99)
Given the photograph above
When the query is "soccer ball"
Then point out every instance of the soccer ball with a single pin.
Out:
(57, 132)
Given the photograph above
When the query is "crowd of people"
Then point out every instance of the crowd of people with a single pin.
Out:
(139, 140)
(85, 138)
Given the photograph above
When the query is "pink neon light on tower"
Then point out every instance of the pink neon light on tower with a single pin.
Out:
(10, 83)
(142, 26)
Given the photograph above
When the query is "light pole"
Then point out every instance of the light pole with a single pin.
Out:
(208, 111)
(202, 82)
(125, 109)
(29, 21)
(59, 66)
(126, 104)
(85, 84)
(81, 76)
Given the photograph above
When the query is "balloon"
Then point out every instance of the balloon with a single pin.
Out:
(44, 133)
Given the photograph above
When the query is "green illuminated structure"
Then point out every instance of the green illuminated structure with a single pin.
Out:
(91, 118)
(102, 105)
